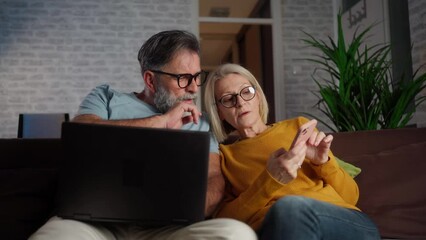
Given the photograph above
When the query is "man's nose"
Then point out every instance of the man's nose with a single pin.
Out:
(192, 87)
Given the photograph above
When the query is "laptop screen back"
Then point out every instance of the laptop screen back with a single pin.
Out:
(127, 174)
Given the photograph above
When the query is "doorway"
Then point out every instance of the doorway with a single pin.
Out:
(239, 32)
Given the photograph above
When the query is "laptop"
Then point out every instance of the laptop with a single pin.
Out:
(146, 176)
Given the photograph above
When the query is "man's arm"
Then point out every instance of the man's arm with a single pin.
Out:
(156, 121)
(216, 184)
(175, 118)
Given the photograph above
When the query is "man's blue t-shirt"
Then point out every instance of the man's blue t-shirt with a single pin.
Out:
(109, 104)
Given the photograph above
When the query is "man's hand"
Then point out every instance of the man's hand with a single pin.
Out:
(181, 114)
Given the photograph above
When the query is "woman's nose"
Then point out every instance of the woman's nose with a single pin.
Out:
(239, 101)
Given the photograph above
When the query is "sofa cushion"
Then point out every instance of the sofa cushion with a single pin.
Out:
(351, 169)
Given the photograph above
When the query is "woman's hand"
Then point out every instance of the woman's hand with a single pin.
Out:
(318, 147)
(283, 165)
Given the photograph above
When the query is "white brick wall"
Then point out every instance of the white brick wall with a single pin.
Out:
(417, 12)
(316, 18)
(53, 52)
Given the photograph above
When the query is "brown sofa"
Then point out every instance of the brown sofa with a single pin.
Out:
(393, 177)
(28, 172)
(391, 183)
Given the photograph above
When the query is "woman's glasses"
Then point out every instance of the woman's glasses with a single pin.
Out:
(230, 100)
(185, 79)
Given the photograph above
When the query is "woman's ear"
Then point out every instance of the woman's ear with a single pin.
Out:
(149, 78)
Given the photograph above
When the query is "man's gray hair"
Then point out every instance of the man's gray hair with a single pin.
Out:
(159, 49)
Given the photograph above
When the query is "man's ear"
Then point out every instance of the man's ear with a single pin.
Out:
(149, 78)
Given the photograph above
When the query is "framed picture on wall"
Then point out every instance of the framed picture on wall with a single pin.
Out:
(391, 26)
(359, 14)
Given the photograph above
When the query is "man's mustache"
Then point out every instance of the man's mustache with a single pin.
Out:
(187, 97)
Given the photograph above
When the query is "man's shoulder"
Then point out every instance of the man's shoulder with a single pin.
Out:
(104, 88)
(108, 92)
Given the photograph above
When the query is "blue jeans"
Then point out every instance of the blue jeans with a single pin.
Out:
(296, 217)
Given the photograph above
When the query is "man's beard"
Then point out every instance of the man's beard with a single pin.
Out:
(163, 100)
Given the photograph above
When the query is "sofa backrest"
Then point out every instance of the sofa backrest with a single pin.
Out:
(392, 180)
(28, 173)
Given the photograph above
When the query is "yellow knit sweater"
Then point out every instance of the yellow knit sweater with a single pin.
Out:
(251, 190)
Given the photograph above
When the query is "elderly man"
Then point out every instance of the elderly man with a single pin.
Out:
(170, 67)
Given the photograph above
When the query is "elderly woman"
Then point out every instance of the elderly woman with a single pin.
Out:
(282, 193)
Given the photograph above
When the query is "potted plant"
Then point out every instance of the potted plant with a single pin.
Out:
(357, 92)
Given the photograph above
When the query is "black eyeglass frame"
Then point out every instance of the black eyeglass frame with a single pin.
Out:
(188, 75)
(235, 95)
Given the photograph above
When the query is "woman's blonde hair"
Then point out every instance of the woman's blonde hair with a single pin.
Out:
(222, 129)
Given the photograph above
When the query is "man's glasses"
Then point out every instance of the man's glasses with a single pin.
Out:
(230, 100)
(185, 79)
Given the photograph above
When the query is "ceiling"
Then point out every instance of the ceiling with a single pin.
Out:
(217, 38)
